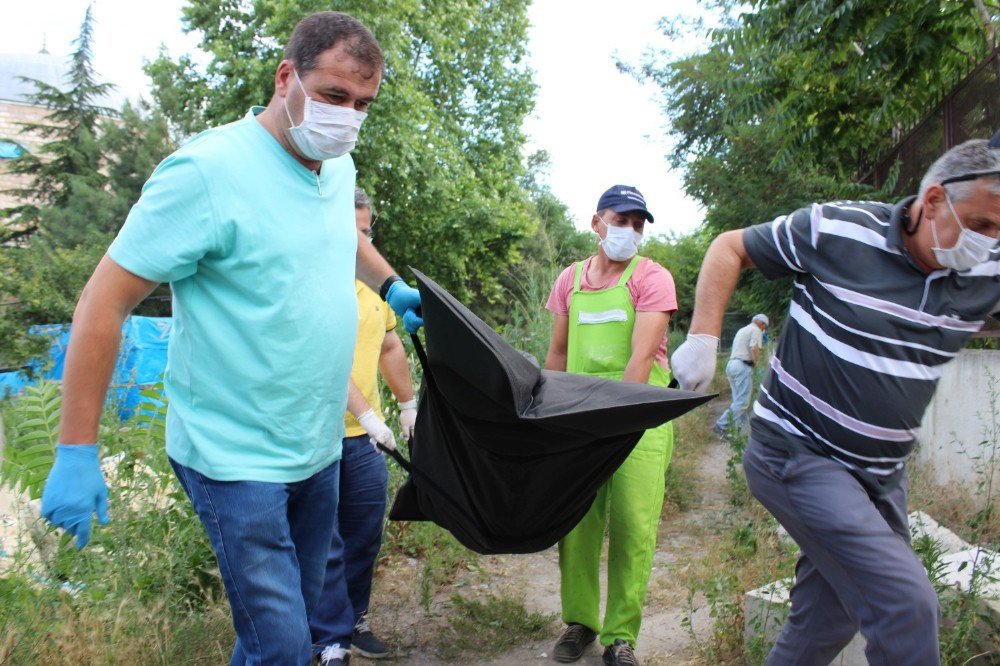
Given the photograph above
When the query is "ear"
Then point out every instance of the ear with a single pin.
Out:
(934, 198)
(283, 77)
(595, 224)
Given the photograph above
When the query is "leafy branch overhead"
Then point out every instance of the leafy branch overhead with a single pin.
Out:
(789, 103)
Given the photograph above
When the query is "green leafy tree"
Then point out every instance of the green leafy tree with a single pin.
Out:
(43, 282)
(790, 102)
(827, 80)
(682, 256)
(440, 152)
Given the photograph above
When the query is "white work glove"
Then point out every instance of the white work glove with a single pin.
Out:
(407, 418)
(379, 432)
(693, 364)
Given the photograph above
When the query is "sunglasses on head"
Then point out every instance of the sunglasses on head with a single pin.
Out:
(972, 175)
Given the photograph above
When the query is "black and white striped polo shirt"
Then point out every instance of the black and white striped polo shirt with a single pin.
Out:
(867, 332)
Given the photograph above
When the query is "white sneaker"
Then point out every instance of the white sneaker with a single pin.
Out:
(334, 655)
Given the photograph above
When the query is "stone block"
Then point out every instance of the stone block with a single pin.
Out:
(921, 524)
(767, 606)
(765, 610)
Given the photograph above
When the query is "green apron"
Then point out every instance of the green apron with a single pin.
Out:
(600, 344)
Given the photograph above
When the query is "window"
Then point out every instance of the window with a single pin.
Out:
(9, 150)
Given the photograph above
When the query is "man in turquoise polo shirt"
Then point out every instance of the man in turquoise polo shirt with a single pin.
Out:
(252, 224)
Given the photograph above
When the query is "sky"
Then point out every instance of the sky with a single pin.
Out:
(600, 127)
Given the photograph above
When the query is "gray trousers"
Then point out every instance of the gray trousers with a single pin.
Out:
(856, 571)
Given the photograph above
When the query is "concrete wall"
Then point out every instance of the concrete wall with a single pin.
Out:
(961, 417)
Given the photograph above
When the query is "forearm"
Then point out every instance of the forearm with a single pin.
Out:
(90, 361)
(720, 272)
(647, 335)
(396, 371)
(638, 368)
(555, 360)
(356, 402)
(106, 301)
(370, 266)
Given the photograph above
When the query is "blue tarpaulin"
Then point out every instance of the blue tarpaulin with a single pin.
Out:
(141, 360)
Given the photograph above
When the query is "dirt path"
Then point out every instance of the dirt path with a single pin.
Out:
(662, 640)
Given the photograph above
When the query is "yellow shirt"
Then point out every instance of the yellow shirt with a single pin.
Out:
(375, 319)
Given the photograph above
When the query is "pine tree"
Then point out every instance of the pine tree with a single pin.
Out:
(82, 184)
(69, 161)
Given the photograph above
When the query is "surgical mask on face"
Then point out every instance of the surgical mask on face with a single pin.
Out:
(326, 130)
(971, 248)
(620, 243)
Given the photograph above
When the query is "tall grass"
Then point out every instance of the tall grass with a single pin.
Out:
(146, 585)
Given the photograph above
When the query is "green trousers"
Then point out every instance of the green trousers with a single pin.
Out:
(629, 504)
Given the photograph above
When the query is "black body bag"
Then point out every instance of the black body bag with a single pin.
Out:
(506, 456)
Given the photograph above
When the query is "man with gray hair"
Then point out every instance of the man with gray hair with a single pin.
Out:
(739, 371)
(883, 297)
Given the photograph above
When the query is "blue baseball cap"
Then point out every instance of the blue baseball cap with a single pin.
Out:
(624, 199)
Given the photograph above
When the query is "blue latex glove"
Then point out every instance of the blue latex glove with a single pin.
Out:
(405, 302)
(74, 490)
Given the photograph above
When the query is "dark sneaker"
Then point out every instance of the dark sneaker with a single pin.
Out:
(334, 655)
(366, 644)
(619, 654)
(572, 643)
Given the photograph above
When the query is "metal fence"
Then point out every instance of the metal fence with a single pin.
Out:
(971, 110)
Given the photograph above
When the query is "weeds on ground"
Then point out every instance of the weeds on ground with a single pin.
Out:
(746, 553)
(969, 630)
(441, 556)
(146, 586)
(490, 626)
(681, 489)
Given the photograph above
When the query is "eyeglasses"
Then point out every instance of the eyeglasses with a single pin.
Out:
(973, 175)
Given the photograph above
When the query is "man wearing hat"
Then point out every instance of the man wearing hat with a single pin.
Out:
(611, 314)
(884, 296)
(739, 371)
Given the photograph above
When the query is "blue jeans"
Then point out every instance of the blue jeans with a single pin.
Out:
(364, 481)
(740, 377)
(271, 541)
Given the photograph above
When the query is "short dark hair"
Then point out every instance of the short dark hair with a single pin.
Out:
(321, 31)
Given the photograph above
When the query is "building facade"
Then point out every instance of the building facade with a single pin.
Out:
(16, 109)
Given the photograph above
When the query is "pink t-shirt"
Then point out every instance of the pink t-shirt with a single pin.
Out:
(651, 288)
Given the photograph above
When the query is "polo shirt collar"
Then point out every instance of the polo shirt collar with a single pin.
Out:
(895, 233)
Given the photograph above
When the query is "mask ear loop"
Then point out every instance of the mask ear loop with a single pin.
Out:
(910, 226)
(305, 103)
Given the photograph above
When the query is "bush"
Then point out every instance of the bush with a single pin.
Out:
(148, 572)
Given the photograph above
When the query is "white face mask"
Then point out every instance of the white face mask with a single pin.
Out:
(326, 130)
(971, 248)
(620, 243)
